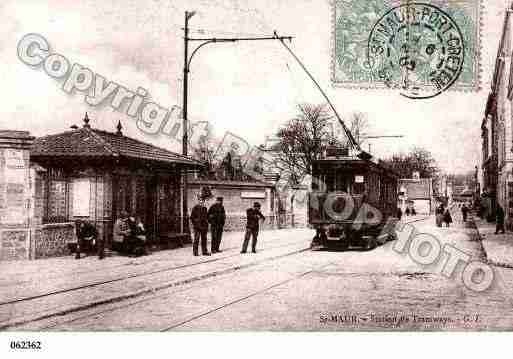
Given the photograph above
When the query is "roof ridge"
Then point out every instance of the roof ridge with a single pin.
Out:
(151, 144)
(105, 144)
(55, 134)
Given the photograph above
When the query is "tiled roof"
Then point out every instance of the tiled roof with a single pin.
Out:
(89, 142)
(416, 189)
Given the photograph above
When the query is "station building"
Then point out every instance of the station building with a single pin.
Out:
(49, 182)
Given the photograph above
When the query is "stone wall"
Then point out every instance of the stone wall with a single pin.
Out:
(14, 245)
(51, 240)
(15, 195)
(236, 204)
(238, 222)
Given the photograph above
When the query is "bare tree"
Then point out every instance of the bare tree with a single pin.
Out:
(357, 123)
(302, 140)
(359, 126)
(204, 149)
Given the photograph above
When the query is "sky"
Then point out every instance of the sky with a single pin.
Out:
(247, 88)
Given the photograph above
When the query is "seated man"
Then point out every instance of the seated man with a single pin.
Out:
(86, 235)
(137, 236)
(121, 234)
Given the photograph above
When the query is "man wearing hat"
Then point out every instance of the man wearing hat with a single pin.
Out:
(253, 216)
(216, 218)
(199, 219)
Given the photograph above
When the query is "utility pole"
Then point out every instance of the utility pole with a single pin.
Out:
(373, 137)
(186, 69)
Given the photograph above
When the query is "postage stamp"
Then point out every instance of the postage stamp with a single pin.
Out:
(421, 48)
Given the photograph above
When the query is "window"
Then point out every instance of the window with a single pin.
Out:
(81, 197)
(56, 199)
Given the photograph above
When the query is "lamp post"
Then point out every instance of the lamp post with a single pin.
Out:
(186, 68)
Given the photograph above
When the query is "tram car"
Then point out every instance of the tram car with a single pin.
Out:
(352, 202)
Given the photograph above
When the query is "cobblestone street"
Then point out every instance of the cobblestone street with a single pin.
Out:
(285, 286)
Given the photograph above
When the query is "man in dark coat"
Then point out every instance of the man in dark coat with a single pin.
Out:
(86, 234)
(199, 219)
(499, 218)
(216, 218)
(253, 216)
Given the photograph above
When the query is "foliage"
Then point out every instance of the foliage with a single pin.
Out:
(417, 160)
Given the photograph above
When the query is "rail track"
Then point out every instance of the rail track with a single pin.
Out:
(151, 289)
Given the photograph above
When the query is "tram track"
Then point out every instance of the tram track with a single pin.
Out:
(243, 298)
(167, 295)
(151, 289)
(137, 275)
(142, 263)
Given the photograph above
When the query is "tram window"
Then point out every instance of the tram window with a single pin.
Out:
(358, 188)
(342, 182)
(315, 183)
(330, 182)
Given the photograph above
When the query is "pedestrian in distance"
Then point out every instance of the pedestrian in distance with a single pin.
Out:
(447, 218)
(253, 216)
(439, 213)
(407, 211)
(413, 212)
(499, 219)
(399, 213)
(216, 218)
(464, 212)
(199, 219)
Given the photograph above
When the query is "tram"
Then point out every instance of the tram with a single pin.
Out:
(353, 201)
(353, 198)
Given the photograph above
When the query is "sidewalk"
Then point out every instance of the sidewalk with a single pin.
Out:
(498, 247)
(36, 289)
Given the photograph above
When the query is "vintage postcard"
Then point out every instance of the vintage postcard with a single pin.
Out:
(254, 166)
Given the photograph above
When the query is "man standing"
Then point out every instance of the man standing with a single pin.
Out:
(499, 218)
(199, 219)
(216, 218)
(253, 216)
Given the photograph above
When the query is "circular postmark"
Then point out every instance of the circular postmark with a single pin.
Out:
(417, 48)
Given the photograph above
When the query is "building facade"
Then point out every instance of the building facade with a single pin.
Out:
(496, 131)
(416, 194)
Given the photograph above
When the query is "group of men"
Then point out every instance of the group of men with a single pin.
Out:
(215, 216)
(129, 235)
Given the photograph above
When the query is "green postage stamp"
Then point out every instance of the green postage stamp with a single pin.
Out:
(422, 48)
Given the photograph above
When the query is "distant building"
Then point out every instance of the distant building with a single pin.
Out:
(283, 207)
(417, 194)
(237, 197)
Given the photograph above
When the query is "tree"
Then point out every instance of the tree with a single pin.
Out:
(301, 141)
(205, 150)
(358, 125)
(417, 160)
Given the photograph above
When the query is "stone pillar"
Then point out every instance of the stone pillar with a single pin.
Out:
(15, 195)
